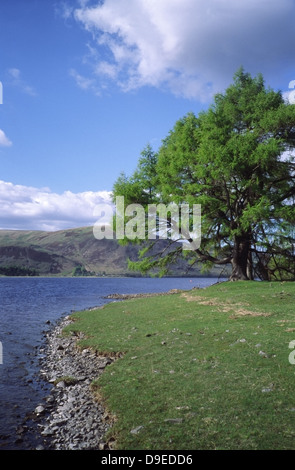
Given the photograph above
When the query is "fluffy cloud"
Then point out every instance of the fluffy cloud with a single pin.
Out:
(290, 94)
(4, 141)
(191, 47)
(29, 208)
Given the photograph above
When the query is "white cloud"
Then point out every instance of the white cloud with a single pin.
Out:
(84, 83)
(17, 81)
(30, 208)
(289, 95)
(191, 47)
(4, 141)
(63, 9)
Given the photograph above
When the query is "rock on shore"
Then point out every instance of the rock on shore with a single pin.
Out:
(70, 418)
(141, 295)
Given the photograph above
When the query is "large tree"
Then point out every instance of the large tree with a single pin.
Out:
(235, 160)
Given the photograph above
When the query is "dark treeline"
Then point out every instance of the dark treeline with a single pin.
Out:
(17, 271)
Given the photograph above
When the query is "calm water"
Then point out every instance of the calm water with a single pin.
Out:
(26, 305)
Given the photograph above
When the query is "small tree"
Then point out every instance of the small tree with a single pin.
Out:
(235, 159)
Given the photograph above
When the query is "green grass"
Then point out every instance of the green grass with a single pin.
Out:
(202, 369)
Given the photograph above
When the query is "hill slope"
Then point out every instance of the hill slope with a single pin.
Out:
(66, 252)
(63, 251)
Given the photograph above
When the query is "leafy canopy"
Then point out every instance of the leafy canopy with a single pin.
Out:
(236, 160)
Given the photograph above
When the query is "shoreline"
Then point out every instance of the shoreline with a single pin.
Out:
(143, 295)
(70, 417)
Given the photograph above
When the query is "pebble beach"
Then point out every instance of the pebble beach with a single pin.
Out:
(70, 417)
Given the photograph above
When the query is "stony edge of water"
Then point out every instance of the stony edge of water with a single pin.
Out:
(70, 418)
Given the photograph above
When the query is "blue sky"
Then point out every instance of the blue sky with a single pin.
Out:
(88, 84)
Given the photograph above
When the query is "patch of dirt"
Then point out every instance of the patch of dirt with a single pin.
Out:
(242, 312)
(239, 311)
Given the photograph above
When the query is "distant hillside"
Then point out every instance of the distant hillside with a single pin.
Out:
(65, 253)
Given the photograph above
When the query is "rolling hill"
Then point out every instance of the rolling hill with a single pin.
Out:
(62, 252)
(66, 253)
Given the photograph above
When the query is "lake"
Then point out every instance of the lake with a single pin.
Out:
(31, 306)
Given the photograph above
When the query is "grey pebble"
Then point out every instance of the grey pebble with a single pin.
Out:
(70, 418)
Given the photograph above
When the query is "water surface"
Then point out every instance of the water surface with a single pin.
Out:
(29, 307)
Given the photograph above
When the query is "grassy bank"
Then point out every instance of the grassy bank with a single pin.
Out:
(202, 369)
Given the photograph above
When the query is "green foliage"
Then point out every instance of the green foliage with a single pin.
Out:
(82, 271)
(235, 160)
(140, 187)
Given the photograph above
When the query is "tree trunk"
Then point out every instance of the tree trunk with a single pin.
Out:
(250, 273)
(240, 260)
